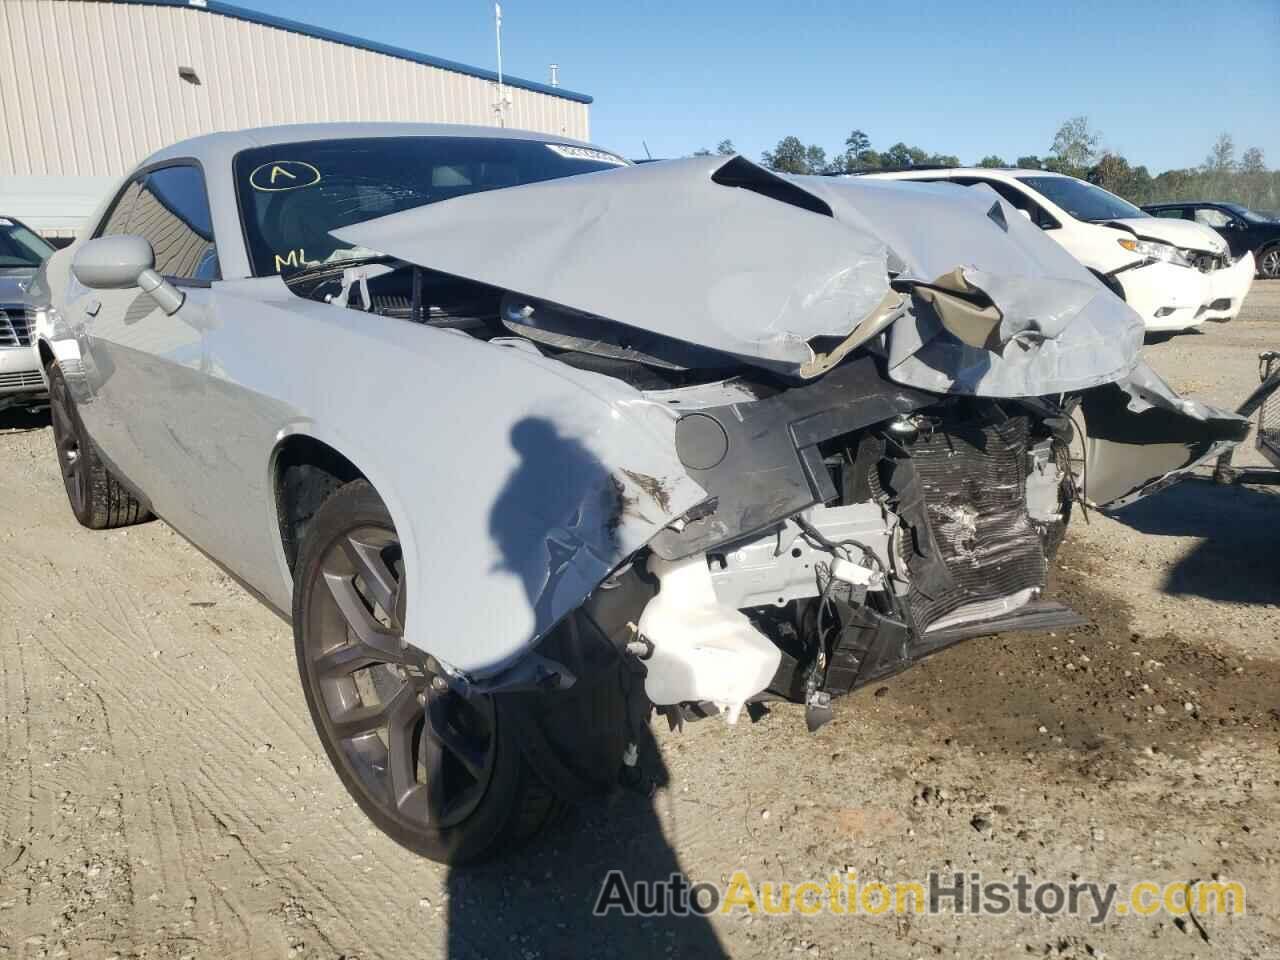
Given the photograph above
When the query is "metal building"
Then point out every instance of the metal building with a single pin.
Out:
(90, 87)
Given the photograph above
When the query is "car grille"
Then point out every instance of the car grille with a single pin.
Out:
(14, 329)
(17, 381)
(973, 474)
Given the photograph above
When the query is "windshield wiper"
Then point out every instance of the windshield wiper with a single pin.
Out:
(319, 270)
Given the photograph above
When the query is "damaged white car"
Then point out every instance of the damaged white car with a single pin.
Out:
(1175, 273)
(524, 439)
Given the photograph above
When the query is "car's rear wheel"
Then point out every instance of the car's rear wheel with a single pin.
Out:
(98, 500)
(439, 772)
(1269, 263)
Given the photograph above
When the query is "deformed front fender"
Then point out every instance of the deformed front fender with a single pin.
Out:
(516, 483)
(566, 474)
(1142, 437)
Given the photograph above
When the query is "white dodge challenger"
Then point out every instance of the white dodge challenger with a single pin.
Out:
(526, 441)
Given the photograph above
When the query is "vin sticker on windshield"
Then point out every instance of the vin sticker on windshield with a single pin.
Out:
(584, 153)
(283, 175)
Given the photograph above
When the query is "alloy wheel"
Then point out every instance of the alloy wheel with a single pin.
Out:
(1269, 266)
(419, 751)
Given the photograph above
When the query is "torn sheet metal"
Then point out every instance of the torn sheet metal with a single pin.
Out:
(1059, 329)
(660, 247)
(1143, 437)
(1038, 336)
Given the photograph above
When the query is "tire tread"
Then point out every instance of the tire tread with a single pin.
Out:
(108, 503)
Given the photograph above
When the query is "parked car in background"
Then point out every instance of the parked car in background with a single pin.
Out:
(1176, 274)
(21, 253)
(525, 439)
(1245, 230)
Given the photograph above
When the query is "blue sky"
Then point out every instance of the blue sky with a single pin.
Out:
(1160, 80)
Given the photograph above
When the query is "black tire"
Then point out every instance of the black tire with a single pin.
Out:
(98, 500)
(358, 679)
(1269, 262)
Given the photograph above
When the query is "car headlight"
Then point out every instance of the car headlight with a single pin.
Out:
(1150, 250)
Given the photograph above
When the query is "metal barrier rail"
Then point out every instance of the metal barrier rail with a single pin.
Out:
(1265, 401)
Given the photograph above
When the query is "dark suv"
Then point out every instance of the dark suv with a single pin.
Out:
(1244, 230)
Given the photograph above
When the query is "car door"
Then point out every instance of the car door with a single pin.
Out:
(1225, 223)
(146, 380)
(83, 311)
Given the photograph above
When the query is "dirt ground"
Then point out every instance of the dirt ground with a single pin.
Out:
(162, 793)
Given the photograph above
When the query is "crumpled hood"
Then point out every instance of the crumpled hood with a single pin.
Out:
(1186, 234)
(774, 270)
(660, 247)
(1059, 329)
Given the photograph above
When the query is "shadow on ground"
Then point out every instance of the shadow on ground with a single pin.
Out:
(1165, 336)
(1237, 559)
(538, 901)
(22, 419)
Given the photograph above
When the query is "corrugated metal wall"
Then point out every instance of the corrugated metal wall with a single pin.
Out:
(89, 88)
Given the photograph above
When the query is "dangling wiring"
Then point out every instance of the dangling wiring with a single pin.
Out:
(841, 549)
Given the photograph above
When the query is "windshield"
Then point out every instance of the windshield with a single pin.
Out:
(1246, 213)
(19, 247)
(293, 195)
(1083, 200)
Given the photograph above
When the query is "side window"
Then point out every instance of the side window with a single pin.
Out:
(117, 219)
(1019, 200)
(1212, 217)
(1172, 213)
(172, 211)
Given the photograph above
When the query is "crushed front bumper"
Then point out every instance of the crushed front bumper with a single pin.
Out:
(1167, 297)
(1227, 289)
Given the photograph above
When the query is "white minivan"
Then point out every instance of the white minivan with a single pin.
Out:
(1175, 273)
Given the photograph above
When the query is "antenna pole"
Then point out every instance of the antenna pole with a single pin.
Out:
(497, 31)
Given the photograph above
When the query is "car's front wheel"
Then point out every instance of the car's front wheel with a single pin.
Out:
(98, 499)
(439, 772)
(1269, 262)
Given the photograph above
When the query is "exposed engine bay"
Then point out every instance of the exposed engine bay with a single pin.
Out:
(941, 527)
(936, 521)
(888, 466)
(392, 288)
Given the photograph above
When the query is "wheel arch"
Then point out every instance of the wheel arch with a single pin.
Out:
(305, 471)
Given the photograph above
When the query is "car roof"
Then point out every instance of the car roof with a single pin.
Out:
(1194, 203)
(964, 171)
(229, 143)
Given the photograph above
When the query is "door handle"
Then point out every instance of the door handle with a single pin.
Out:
(92, 306)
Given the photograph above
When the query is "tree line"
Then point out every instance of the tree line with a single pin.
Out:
(1077, 150)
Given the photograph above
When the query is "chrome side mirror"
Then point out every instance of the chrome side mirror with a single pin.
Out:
(124, 261)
